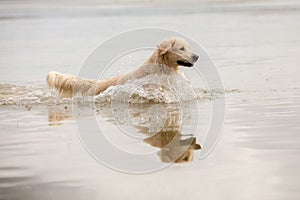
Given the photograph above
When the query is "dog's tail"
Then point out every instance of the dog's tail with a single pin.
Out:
(63, 84)
(69, 85)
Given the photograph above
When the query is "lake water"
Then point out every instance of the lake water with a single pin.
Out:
(256, 50)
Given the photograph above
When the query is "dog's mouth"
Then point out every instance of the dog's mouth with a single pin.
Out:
(183, 63)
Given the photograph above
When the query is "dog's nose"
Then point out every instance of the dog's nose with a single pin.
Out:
(195, 57)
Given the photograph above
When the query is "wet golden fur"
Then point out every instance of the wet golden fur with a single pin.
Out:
(163, 60)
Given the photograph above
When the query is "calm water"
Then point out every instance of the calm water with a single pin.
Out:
(256, 50)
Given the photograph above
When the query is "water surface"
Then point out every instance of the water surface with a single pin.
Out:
(256, 51)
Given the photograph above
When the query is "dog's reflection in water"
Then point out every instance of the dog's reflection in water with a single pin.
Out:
(182, 150)
(161, 123)
(57, 115)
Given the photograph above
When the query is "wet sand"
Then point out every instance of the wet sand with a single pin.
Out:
(256, 51)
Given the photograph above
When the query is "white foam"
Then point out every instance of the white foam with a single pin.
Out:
(150, 89)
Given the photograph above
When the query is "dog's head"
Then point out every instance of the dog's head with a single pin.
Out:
(175, 52)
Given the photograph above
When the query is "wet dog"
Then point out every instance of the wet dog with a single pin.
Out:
(169, 55)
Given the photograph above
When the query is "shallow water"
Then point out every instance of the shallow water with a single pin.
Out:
(256, 51)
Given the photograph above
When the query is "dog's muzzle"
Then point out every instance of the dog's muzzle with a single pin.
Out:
(194, 59)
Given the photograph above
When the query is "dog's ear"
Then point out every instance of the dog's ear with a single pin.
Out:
(165, 46)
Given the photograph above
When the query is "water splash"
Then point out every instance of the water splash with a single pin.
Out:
(153, 88)
(28, 95)
(150, 89)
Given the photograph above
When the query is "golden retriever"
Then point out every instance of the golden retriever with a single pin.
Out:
(169, 55)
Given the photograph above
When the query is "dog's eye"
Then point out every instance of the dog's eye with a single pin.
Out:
(181, 49)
